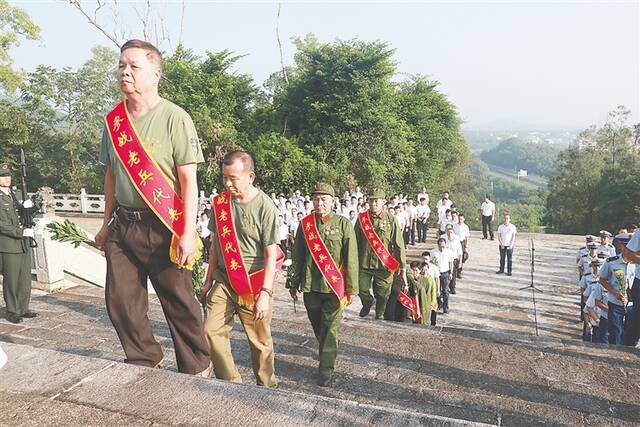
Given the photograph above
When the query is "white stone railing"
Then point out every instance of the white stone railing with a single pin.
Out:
(92, 203)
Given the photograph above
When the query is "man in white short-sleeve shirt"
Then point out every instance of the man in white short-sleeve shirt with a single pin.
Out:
(506, 238)
(488, 212)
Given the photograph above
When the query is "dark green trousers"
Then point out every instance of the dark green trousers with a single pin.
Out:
(16, 281)
(325, 314)
(381, 281)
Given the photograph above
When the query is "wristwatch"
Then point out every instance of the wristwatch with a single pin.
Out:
(268, 291)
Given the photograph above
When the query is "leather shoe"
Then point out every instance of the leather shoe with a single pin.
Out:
(499, 272)
(14, 318)
(509, 274)
(364, 312)
(29, 314)
(325, 379)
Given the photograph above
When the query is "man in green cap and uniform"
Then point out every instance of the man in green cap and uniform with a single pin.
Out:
(372, 269)
(325, 244)
(15, 255)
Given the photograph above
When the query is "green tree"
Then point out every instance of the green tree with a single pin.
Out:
(15, 25)
(65, 110)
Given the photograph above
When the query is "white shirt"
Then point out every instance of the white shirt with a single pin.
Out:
(444, 223)
(462, 231)
(446, 204)
(634, 246)
(413, 212)
(293, 226)
(203, 228)
(423, 195)
(283, 231)
(507, 234)
(434, 271)
(488, 208)
(455, 246)
(423, 211)
(442, 258)
(403, 218)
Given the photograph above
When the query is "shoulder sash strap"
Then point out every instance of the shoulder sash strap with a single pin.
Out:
(322, 258)
(151, 183)
(410, 304)
(246, 286)
(376, 244)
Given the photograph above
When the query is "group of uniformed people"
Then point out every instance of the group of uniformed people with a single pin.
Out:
(610, 288)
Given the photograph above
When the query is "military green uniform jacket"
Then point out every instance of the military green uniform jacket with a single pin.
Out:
(390, 234)
(11, 240)
(338, 236)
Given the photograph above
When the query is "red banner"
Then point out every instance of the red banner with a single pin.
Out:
(376, 244)
(411, 304)
(247, 286)
(151, 183)
(322, 258)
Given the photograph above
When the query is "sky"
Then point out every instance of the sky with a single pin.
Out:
(543, 65)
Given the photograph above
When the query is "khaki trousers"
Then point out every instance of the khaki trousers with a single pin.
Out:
(218, 323)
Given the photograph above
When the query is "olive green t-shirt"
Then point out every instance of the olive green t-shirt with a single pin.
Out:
(169, 136)
(256, 225)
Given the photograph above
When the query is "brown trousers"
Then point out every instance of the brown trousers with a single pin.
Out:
(135, 251)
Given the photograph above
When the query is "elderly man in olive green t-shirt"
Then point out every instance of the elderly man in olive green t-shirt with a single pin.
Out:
(323, 307)
(255, 220)
(135, 241)
(372, 270)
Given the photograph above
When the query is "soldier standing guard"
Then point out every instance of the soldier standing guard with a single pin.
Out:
(325, 268)
(15, 254)
(150, 149)
(381, 252)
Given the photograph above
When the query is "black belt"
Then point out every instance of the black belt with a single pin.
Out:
(133, 214)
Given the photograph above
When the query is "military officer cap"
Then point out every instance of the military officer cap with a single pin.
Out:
(592, 245)
(603, 255)
(376, 194)
(597, 262)
(323, 188)
(5, 169)
(590, 238)
(622, 238)
(605, 233)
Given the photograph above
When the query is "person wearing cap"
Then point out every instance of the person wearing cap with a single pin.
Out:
(596, 304)
(324, 309)
(586, 282)
(592, 294)
(584, 266)
(581, 251)
(632, 328)
(616, 276)
(604, 244)
(15, 253)
(372, 271)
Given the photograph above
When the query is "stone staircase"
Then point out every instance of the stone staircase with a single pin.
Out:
(483, 363)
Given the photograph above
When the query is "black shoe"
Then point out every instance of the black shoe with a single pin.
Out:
(492, 238)
(459, 276)
(14, 318)
(364, 311)
(325, 378)
(452, 292)
(509, 274)
(29, 314)
(500, 272)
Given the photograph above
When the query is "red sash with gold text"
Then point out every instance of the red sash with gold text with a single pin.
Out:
(322, 258)
(151, 183)
(376, 244)
(410, 304)
(246, 286)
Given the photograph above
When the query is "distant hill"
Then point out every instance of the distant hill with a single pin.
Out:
(513, 154)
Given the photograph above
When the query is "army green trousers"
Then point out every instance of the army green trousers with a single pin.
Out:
(16, 281)
(381, 281)
(325, 314)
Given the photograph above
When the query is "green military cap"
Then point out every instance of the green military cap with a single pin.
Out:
(376, 194)
(323, 188)
(5, 169)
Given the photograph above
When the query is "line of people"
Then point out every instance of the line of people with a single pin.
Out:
(609, 286)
